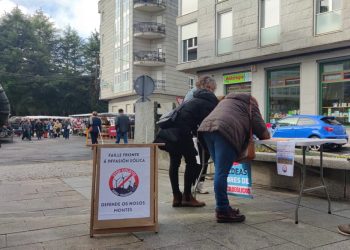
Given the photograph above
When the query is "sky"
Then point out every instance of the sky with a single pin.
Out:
(81, 15)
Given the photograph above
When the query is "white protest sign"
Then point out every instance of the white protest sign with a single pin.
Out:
(124, 187)
(285, 158)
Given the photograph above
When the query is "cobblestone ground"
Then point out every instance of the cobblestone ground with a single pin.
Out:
(45, 204)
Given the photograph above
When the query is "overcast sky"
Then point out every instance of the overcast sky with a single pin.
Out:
(81, 15)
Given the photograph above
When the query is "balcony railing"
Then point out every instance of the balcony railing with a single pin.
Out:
(149, 30)
(149, 58)
(328, 21)
(225, 45)
(270, 35)
(149, 5)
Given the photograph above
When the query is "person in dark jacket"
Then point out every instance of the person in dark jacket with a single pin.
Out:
(226, 132)
(122, 123)
(178, 142)
(95, 127)
(39, 129)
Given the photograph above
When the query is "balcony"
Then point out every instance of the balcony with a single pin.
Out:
(225, 45)
(149, 30)
(270, 35)
(149, 58)
(328, 21)
(149, 5)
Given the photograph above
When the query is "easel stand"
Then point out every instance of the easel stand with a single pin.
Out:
(124, 194)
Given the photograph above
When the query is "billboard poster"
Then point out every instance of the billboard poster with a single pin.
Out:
(285, 158)
(239, 180)
(125, 183)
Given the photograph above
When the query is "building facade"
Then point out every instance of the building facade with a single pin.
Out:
(139, 37)
(292, 55)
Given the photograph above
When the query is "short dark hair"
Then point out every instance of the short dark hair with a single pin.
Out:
(120, 110)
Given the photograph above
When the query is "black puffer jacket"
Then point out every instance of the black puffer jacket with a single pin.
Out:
(194, 111)
(187, 122)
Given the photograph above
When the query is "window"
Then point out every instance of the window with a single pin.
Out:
(335, 90)
(188, 6)
(191, 82)
(117, 23)
(224, 32)
(126, 24)
(328, 16)
(292, 121)
(126, 54)
(189, 42)
(283, 92)
(117, 60)
(270, 22)
(306, 121)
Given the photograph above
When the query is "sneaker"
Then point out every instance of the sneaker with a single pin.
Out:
(190, 201)
(344, 229)
(201, 189)
(229, 216)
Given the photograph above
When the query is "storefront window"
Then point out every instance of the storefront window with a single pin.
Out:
(335, 82)
(283, 93)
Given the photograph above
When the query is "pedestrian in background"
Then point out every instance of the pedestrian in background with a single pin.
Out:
(39, 129)
(178, 141)
(26, 129)
(227, 131)
(122, 123)
(94, 126)
(66, 129)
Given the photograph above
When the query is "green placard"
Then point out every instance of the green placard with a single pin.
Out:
(238, 78)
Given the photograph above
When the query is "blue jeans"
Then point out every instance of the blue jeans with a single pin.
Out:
(223, 155)
(123, 135)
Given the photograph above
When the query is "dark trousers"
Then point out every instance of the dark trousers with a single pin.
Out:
(186, 149)
(26, 134)
(94, 136)
(204, 159)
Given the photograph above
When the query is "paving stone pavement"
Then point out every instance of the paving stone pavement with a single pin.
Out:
(47, 206)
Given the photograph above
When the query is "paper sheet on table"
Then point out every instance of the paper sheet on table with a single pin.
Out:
(285, 158)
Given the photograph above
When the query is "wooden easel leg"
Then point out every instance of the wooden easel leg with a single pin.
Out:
(94, 162)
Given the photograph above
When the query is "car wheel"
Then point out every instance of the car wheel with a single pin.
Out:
(314, 147)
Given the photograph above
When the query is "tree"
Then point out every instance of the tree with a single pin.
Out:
(47, 72)
(92, 67)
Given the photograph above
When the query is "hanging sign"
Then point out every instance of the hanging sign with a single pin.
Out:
(285, 158)
(239, 180)
(238, 78)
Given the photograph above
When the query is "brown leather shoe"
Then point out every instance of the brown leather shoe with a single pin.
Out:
(229, 216)
(177, 200)
(344, 229)
(190, 201)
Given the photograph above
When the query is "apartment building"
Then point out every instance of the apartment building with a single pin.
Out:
(139, 37)
(292, 55)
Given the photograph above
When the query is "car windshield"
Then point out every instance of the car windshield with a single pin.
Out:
(330, 121)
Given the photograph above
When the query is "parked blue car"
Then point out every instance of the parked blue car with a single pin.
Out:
(309, 126)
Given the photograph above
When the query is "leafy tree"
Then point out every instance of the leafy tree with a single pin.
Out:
(47, 72)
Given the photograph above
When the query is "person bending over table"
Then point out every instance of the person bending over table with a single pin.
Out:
(226, 131)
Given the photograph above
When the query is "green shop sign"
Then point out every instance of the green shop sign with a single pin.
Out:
(238, 78)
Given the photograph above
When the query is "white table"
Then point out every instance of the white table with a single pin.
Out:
(304, 143)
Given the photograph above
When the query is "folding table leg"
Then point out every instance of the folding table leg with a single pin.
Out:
(322, 180)
(200, 174)
(302, 182)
